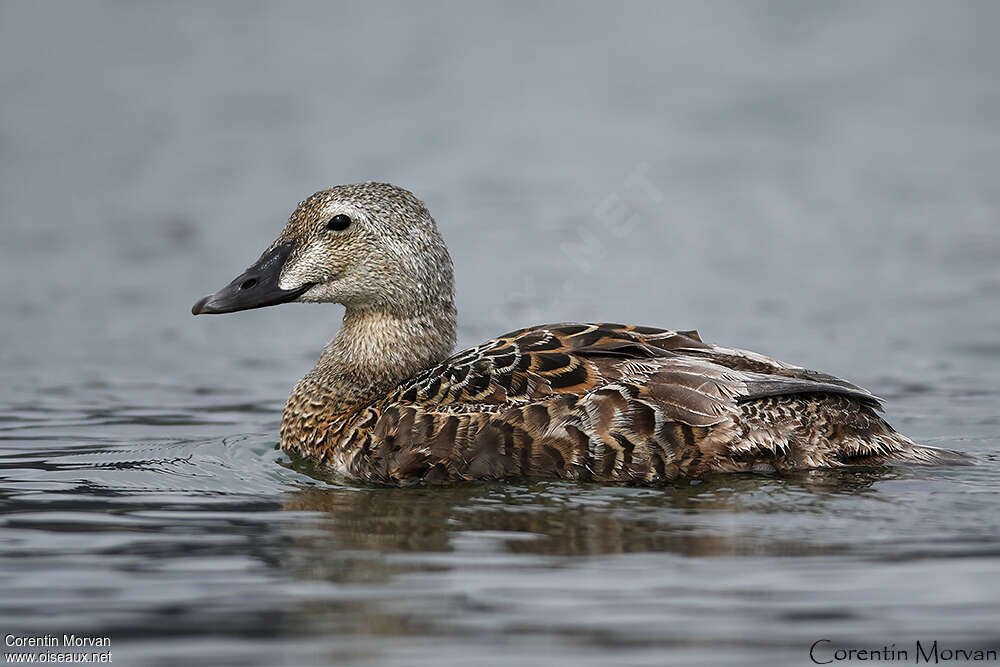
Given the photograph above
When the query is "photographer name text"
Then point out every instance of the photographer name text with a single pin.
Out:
(825, 652)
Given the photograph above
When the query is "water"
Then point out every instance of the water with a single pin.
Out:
(817, 183)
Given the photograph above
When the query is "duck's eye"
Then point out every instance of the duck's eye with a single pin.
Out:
(338, 223)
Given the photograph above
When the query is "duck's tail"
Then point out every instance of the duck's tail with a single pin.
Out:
(908, 451)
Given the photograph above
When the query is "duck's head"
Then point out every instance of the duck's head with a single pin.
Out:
(367, 246)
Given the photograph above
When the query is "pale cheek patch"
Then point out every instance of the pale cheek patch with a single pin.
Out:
(304, 269)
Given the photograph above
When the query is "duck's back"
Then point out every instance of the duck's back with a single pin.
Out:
(608, 402)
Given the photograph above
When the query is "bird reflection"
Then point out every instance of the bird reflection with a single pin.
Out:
(716, 516)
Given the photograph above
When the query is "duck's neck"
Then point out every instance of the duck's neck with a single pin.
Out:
(376, 349)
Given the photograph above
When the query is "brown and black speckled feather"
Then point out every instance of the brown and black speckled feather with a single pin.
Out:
(600, 402)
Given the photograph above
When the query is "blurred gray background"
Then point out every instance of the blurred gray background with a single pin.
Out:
(816, 181)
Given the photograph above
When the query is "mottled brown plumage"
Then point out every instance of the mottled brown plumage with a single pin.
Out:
(591, 402)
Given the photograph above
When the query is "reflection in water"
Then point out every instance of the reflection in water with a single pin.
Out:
(693, 518)
(474, 562)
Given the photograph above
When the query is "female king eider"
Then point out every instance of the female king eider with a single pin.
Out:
(387, 402)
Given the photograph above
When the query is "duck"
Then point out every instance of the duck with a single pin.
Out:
(388, 403)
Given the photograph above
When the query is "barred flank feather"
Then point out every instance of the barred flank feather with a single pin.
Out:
(607, 403)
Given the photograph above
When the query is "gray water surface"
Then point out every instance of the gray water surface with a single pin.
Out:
(818, 183)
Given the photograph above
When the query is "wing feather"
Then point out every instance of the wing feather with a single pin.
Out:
(587, 401)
